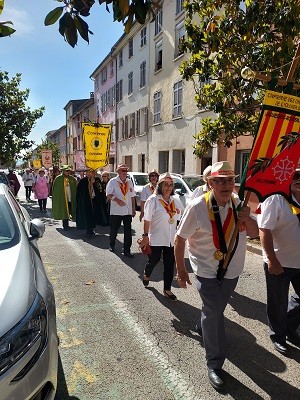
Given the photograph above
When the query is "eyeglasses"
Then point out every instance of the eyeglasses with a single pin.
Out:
(123, 170)
(296, 176)
(153, 176)
(168, 184)
(223, 181)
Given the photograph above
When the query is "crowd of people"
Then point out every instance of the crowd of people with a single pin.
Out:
(214, 226)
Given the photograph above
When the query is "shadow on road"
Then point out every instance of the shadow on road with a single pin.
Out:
(62, 389)
(255, 361)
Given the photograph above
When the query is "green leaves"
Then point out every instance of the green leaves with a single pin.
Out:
(53, 16)
(6, 30)
(227, 37)
(16, 119)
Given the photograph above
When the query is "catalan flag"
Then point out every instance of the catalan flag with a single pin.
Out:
(276, 148)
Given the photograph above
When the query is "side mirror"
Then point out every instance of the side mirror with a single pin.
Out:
(36, 229)
(179, 192)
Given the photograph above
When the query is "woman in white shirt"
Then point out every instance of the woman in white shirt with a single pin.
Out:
(161, 213)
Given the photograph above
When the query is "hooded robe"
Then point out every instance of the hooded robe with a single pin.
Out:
(60, 199)
(90, 210)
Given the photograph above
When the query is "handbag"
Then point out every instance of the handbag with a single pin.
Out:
(146, 250)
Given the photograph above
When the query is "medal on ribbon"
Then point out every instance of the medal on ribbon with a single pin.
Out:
(170, 208)
(124, 189)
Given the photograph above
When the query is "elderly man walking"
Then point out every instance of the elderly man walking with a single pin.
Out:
(279, 224)
(122, 196)
(207, 224)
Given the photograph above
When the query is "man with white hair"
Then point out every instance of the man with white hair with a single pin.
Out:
(207, 225)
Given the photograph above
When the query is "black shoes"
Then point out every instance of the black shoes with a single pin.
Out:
(215, 378)
(170, 296)
(146, 280)
(281, 347)
(198, 329)
(294, 338)
(129, 255)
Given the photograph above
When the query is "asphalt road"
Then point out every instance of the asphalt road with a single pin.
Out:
(119, 340)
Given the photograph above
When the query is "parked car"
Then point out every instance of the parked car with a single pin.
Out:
(182, 189)
(193, 180)
(28, 335)
(139, 180)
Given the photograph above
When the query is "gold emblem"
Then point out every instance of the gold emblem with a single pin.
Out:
(218, 255)
(171, 221)
(124, 198)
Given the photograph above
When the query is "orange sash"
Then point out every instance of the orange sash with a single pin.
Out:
(228, 224)
(124, 188)
(170, 208)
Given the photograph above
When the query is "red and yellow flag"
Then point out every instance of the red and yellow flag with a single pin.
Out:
(276, 149)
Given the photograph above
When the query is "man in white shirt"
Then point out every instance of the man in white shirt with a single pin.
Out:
(120, 192)
(28, 179)
(279, 225)
(208, 224)
(148, 190)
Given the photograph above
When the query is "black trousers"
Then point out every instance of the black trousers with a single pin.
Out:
(168, 261)
(42, 204)
(283, 315)
(65, 222)
(28, 190)
(115, 223)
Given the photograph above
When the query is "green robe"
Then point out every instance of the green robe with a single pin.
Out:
(59, 199)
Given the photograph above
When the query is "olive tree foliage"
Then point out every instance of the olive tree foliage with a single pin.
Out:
(222, 37)
(5, 28)
(16, 119)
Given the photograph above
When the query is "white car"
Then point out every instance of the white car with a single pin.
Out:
(28, 335)
(139, 180)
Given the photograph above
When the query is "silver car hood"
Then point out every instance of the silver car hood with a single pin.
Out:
(17, 285)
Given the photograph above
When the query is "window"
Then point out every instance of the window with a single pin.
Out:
(130, 48)
(179, 6)
(177, 99)
(158, 56)
(126, 127)
(103, 75)
(121, 59)
(132, 125)
(179, 161)
(96, 83)
(138, 122)
(144, 36)
(157, 108)
(111, 68)
(241, 159)
(145, 120)
(143, 74)
(158, 21)
(130, 82)
(119, 91)
(179, 38)
(163, 161)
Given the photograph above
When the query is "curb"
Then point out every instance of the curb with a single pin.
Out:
(254, 248)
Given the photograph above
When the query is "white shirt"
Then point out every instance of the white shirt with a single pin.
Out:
(276, 215)
(195, 226)
(161, 232)
(114, 188)
(28, 179)
(146, 192)
(199, 191)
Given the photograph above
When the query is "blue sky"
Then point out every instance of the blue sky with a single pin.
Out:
(53, 71)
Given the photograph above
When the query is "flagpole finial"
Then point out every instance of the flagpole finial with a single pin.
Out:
(247, 73)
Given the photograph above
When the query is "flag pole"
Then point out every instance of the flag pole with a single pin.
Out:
(281, 82)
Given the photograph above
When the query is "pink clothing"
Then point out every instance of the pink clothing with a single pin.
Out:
(41, 187)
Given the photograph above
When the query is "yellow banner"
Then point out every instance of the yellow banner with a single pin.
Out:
(36, 164)
(96, 141)
(282, 100)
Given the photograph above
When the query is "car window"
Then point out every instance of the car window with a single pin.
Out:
(178, 185)
(193, 182)
(3, 178)
(9, 231)
(140, 180)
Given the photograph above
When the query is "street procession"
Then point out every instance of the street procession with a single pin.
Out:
(150, 245)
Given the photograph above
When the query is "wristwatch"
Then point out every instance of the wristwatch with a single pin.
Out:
(145, 234)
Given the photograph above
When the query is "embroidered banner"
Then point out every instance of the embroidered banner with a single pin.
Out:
(96, 141)
(276, 149)
(79, 160)
(46, 158)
